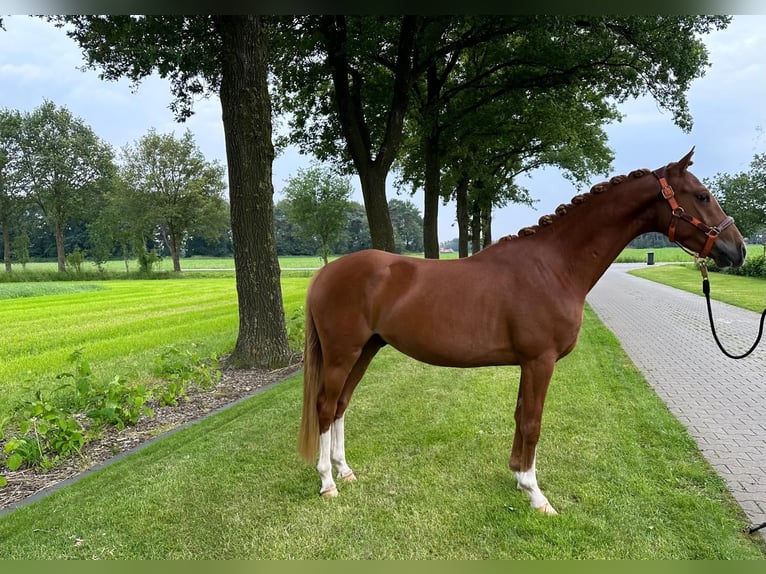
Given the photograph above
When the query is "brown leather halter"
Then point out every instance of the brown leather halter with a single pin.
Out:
(678, 213)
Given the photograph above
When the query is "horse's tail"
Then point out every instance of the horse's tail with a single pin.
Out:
(308, 440)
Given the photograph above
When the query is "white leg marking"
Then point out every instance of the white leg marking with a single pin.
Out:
(338, 453)
(527, 481)
(324, 467)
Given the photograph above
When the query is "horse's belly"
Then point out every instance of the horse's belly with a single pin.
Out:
(457, 352)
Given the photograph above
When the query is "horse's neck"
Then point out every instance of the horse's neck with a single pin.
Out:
(587, 240)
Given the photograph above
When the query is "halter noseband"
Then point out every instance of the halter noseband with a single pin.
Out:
(678, 213)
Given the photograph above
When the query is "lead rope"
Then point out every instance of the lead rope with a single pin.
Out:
(706, 290)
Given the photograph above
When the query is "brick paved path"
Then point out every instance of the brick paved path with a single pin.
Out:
(722, 402)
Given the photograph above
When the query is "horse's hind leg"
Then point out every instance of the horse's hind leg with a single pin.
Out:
(535, 378)
(338, 450)
(332, 408)
(338, 453)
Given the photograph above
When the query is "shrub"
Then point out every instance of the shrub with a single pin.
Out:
(752, 267)
(74, 260)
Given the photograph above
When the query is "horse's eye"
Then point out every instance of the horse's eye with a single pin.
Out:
(703, 197)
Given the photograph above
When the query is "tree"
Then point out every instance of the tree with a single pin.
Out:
(318, 204)
(408, 226)
(743, 196)
(346, 82)
(349, 81)
(123, 221)
(10, 189)
(540, 71)
(228, 56)
(171, 179)
(64, 166)
(356, 235)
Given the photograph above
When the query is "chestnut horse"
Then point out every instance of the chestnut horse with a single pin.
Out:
(522, 304)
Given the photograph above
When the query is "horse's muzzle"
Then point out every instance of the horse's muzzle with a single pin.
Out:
(728, 254)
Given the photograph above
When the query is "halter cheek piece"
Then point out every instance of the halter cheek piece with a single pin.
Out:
(678, 213)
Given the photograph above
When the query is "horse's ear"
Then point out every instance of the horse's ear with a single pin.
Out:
(686, 161)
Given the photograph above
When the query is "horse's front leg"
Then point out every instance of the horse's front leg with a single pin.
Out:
(535, 378)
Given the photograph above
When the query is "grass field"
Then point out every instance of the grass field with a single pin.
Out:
(430, 447)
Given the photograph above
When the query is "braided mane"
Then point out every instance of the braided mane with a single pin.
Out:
(564, 208)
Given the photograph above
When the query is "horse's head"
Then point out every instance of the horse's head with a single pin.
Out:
(695, 219)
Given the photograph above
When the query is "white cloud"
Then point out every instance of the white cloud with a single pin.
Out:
(21, 72)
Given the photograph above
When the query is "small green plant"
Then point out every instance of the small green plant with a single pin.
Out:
(118, 403)
(171, 392)
(46, 433)
(296, 329)
(188, 367)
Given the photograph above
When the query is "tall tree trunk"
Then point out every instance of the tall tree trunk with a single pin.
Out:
(463, 219)
(431, 195)
(486, 225)
(175, 255)
(432, 183)
(373, 184)
(245, 102)
(475, 227)
(7, 247)
(356, 133)
(172, 244)
(59, 233)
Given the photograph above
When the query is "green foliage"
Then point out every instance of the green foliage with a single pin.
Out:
(408, 226)
(182, 369)
(118, 403)
(147, 260)
(65, 165)
(743, 195)
(75, 259)
(48, 428)
(46, 433)
(296, 329)
(179, 192)
(317, 203)
(20, 248)
(754, 266)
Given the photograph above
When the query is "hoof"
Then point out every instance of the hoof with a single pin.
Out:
(349, 476)
(546, 509)
(331, 492)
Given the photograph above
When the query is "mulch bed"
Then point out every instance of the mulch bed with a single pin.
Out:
(234, 385)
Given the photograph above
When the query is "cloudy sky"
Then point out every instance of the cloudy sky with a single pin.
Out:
(728, 105)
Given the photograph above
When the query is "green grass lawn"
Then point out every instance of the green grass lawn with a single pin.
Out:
(745, 292)
(430, 447)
